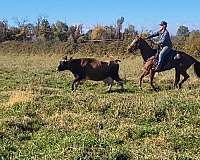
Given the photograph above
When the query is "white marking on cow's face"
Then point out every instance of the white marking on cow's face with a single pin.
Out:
(64, 60)
(62, 65)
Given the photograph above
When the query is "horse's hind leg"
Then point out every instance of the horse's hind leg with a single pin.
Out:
(177, 78)
(145, 73)
(186, 76)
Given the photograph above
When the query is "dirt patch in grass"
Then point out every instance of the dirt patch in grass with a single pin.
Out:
(18, 96)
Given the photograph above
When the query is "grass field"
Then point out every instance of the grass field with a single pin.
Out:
(40, 118)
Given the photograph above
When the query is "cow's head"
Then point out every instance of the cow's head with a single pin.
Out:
(64, 64)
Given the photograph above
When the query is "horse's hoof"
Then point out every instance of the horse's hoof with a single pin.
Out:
(157, 89)
(176, 87)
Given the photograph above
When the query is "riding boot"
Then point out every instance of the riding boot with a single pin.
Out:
(157, 68)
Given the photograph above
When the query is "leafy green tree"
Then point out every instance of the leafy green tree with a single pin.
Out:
(60, 31)
(129, 31)
(194, 34)
(88, 34)
(43, 29)
(192, 43)
(25, 32)
(12, 32)
(183, 31)
(110, 32)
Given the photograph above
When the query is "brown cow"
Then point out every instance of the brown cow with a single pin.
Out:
(92, 69)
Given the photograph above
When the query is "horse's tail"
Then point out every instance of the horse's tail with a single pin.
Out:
(197, 68)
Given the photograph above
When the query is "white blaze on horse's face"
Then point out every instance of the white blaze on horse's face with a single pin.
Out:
(133, 42)
(133, 46)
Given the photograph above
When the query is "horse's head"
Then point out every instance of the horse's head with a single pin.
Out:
(136, 44)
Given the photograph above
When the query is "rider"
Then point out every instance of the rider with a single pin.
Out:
(164, 42)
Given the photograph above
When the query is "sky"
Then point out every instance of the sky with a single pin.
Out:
(143, 14)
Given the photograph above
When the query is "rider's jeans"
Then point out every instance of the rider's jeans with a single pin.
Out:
(165, 50)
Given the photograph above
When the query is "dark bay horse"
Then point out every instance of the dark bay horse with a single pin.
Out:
(179, 60)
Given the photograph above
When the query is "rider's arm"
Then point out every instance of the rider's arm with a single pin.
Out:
(163, 38)
(153, 35)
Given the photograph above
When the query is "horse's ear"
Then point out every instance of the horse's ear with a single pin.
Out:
(65, 58)
(142, 37)
(70, 58)
(138, 36)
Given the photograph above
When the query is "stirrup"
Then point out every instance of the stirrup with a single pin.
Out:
(155, 64)
(157, 68)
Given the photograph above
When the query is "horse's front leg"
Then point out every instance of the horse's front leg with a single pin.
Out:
(145, 73)
(152, 74)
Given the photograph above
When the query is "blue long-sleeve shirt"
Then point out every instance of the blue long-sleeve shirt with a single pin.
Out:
(164, 40)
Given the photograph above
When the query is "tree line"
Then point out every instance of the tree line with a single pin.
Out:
(42, 30)
(60, 31)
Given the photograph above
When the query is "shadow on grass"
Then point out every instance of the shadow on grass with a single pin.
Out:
(122, 91)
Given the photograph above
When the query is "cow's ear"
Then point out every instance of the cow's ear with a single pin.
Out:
(65, 58)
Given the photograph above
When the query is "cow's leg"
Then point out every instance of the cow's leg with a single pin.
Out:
(119, 80)
(109, 81)
(76, 81)
(121, 83)
(109, 88)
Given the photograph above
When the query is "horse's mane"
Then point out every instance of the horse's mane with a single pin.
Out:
(147, 51)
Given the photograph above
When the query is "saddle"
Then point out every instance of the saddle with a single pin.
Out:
(173, 55)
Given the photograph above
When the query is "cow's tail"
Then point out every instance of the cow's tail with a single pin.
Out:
(197, 68)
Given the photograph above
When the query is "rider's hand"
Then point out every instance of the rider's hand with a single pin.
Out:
(157, 43)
